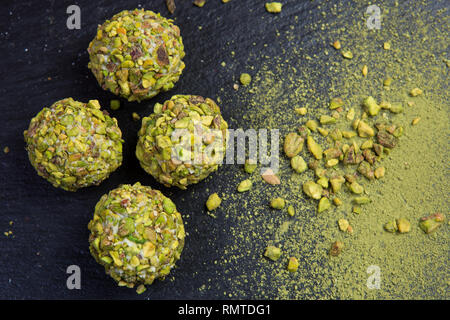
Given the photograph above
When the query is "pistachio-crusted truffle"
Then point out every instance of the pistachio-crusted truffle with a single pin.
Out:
(137, 234)
(74, 144)
(137, 54)
(183, 141)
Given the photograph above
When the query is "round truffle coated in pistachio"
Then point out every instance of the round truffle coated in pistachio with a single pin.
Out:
(183, 141)
(137, 234)
(74, 144)
(137, 54)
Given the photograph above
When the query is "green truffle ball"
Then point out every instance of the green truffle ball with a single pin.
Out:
(137, 54)
(74, 144)
(137, 234)
(183, 141)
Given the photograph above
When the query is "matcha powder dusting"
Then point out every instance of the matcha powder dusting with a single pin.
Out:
(412, 183)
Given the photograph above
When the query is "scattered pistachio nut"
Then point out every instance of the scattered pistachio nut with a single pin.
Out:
(324, 204)
(137, 54)
(336, 248)
(291, 211)
(293, 264)
(343, 224)
(371, 105)
(250, 166)
(298, 164)
(336, 44)
(403, 225)
(245, 79)
(73, 144)
(301, 111)
(364, 70)
(312, 190)
(314, 148)
(431, 223)
(199, 3)
(336, 103)
(379, 172)
(173, 142)
(135, 116)
(270, 177)
(213, 202)
(415, 92)
(137, 234)
(293, 144)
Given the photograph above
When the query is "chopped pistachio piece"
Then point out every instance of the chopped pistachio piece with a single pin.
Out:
(364, 70)
(312, 125)
(213, 202)
(292, 264)
(379, 172)
(199, 3)
(114, 104)
(403, 225)
(273, 253)
(162, 149)
(431, 223)
(347, 54)
(314, 148)
(361, 200)
(371, 105)
(293, 144)
(291, 211)
(298, 164)
(136, 235)
(244, 185)
(415, 92)
(355, 187)
(135, 116)
(73, 144)
(312, 190)
(301, 111)
(415, 121)
(245, 79)
(324, 119)
(365, 130)
(343, 224)
(324, 204)
(336, 44)
(274, 7)
(391, 226)
(336, 183)
(250, 166)
(336, 103)
(336, 248)
(278, 203)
